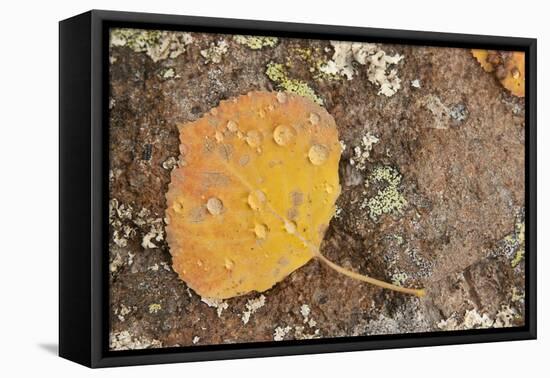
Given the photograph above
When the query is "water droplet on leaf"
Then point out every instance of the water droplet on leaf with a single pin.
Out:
(214, 206)
(318, 154)
(283, 135)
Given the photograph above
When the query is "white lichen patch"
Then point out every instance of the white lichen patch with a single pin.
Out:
(305, 310)
(120, 218)
(196, 339)
(157, 45)
(339, 212)
(125, 224)
(170, 163)
(380, 65)
(415, 83)
(280, 333)
(361, 153)
(219, 304)
(116, 261)
(343, 145)
(215, 52)
(124, 341)
(252, 305)
(301, 334)
(156, 233)
(166, 266)
(154, 267)
(168, 73)
(123, 311)
(440, 112)
(472, 319)
(256, 42)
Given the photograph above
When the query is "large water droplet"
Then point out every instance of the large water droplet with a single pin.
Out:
(281, 97)
(229, 264)
(178, 207)
(290, 227)
(244, 160)
(314, 118)
(256, 199)
(253, 138)
(260, 230)
(283, 135)
(214, 206)
(318, 154)
(232, 126)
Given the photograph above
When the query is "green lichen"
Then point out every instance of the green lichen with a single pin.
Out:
(256, 42)
(277, 73)
(388, 200)
(519, 235)
(154, 308)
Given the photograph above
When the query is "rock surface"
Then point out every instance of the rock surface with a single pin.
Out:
(432, 177)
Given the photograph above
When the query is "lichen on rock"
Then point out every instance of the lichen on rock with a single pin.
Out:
(379, 64)
(389, 199)
(256, 42)
(158, 45)
(277, 73)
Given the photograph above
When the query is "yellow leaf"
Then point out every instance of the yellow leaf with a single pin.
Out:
(509, 68)
(254, 193)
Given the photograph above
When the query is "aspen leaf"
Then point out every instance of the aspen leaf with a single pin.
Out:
(509, 68)
(254, 193)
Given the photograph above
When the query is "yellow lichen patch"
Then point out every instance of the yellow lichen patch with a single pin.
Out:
(246, 242)
(509, 68)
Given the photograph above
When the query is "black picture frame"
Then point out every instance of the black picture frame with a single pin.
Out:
(83, 182)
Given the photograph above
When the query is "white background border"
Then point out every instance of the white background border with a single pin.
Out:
(29, 187)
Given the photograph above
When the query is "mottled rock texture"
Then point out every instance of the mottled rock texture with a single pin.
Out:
(451, 135)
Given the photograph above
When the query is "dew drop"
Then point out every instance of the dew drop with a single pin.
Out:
(328, 188)
(229, 264)
(256, 199)
(244, 160)
(214, 206)
(232, 126)
(281, 97)
(253, 138)
(219, 137)
(178, 207)
(283, 135)
(290, 227)
(260, 230)
(314, 118)
(318, 154)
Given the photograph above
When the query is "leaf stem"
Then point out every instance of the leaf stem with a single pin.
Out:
(373, 281)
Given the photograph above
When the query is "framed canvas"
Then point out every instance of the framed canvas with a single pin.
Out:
(234, 188)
